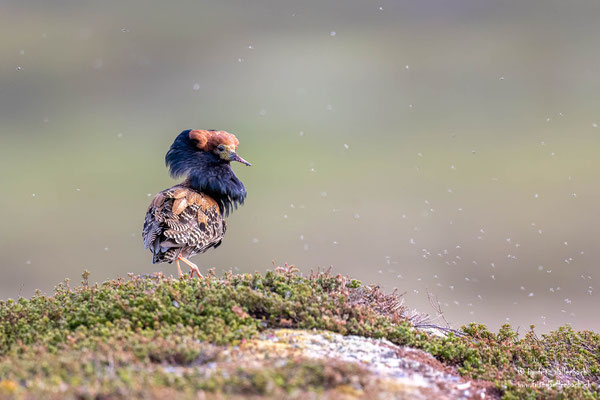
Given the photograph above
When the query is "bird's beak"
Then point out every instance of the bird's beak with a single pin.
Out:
(234, 157)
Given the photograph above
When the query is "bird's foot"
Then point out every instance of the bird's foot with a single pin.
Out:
(193, 267)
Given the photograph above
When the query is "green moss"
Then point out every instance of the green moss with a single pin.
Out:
(141, 364)
(175, 322)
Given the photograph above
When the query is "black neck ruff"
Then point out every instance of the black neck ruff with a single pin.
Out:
(206, 173)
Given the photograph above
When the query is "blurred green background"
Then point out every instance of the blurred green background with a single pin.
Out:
(429, 146)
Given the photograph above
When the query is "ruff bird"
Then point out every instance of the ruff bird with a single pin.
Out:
(188, 218)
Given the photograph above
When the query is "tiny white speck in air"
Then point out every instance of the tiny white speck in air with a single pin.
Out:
(346, 146)
(119, 135)
(501, 78)
(255, 240)
(33, 194)
(407, 66)
(412, 241)
(97, 63)
(356, 216)
(332, 33)
(28, 262)
(262, 112)
(301, 133)
(22, 52)
(19, 68)
(594, 125)
(323, 194)
(124, 30)
(196, 87)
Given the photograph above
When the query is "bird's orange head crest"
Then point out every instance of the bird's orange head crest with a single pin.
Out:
(221, 143)
(209, 140)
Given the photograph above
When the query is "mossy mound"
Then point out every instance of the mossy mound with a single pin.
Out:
(61, 342)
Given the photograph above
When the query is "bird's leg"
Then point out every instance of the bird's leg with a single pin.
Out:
(179, 269)
(193, 267)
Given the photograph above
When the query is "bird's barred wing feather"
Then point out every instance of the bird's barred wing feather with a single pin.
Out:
(181, 221)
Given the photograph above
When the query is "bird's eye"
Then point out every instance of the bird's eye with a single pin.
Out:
(220, 147)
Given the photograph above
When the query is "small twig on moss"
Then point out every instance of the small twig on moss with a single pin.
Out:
(85, 275)
(441, 328)
(437, 307)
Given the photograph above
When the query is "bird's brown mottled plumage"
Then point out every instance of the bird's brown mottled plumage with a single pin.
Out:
(182, 222)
